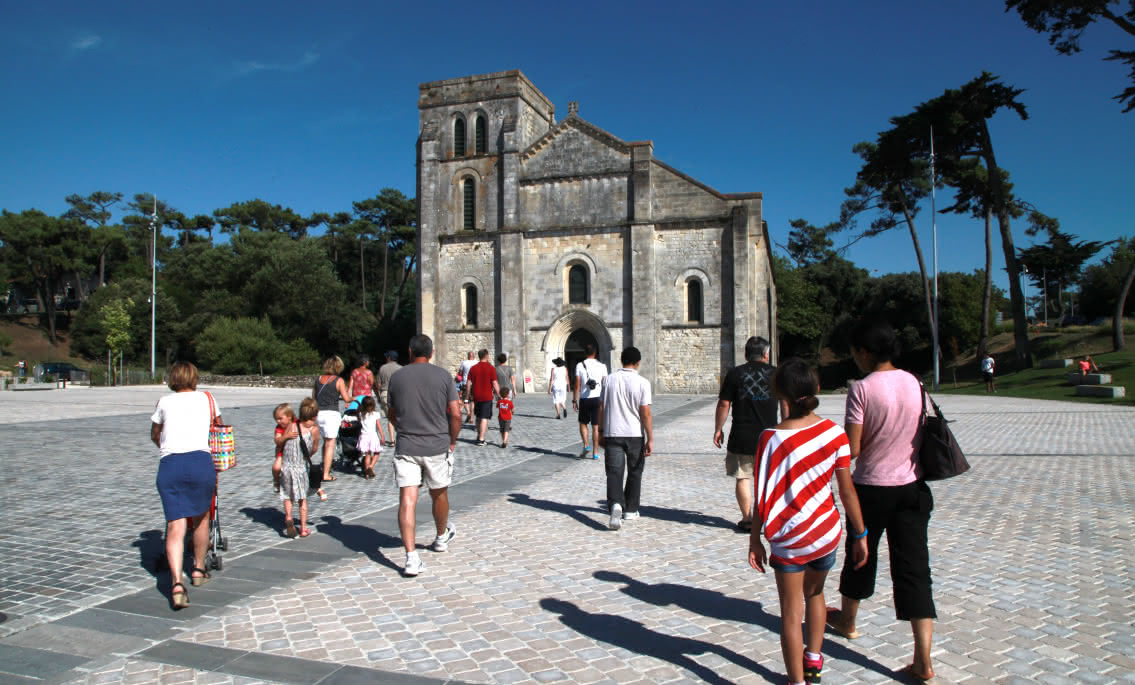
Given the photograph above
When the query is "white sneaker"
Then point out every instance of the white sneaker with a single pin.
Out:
(414, 564)
(441, 542)
(616, 521)
(630, 516)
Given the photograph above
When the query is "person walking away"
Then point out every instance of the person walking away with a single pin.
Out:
(371, 435)
(884, 429)
(987, 366)
(427, 413)
(186, 480)
(558, 385)
(504, 413)
(382, 384)
(747, 389)
(482, 386)
(795, 510)
(626, 432)
(329, 388)
(506, 376)
(463, 385)
(284, 417)
(361, 381)
(294, 483)
(589, 375)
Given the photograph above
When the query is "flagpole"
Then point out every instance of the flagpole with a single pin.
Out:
(934, 224)
(153, 286)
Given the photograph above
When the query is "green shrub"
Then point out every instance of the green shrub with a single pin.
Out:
(248, 346)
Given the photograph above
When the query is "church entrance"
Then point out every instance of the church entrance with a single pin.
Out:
(575, 350)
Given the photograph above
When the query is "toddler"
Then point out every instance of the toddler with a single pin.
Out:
(504, 414)
(371, 436)
(794, 508)
(294, 484)
(284, 417)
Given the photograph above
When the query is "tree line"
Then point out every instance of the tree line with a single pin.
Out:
(252, 288)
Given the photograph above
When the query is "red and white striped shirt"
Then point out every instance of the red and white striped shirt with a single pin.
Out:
(794, 491)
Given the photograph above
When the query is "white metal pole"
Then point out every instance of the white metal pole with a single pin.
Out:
(934, 224)
(1044, 293)
(153, 285)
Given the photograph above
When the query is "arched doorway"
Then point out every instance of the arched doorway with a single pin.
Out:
(575, 350)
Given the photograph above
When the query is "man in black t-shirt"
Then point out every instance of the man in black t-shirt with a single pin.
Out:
(748, 390)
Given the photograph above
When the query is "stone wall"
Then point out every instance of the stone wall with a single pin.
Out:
(467, 262)
(683, 254)
(573, 202)
(545, 268)
(293, 382)
(675, 196)
(690, 361)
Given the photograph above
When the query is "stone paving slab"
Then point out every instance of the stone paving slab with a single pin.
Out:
(1030, 554)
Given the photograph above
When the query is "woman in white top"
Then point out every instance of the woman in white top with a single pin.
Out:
(558, 385)
(186, 479)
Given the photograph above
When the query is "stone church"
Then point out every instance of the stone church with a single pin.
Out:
(536, 238)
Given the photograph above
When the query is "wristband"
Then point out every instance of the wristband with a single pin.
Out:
(860, 536)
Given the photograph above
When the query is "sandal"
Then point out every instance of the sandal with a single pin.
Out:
(201, 579)
(322, 496)
(179, 598)
(328, 479)
(290, 528)
(837, 626)
(304, 532)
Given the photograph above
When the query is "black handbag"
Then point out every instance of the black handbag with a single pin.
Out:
(940, 455)
(314, 472)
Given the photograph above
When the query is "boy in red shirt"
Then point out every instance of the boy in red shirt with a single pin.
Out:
(504, 413)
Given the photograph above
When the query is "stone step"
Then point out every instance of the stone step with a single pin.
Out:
(1055, 363)
(1089, 378)
(1112, 391)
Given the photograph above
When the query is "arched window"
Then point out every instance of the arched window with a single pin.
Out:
(470, 306)
(480, 136)
(458, 137)
(468, 204)
(693, 301)
(578, 290)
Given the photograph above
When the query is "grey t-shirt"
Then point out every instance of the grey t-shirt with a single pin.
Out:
(420, 395)
(384, 373)
(504, 377)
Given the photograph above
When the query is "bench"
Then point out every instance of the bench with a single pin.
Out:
(1089, 378)
(1055, 363)
(1111, 391)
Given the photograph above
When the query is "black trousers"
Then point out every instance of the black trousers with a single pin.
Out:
(903, 513)
(624, 454)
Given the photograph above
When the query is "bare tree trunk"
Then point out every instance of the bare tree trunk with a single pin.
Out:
(1120, 304)
(987, 294)
(406, 271)
(362, 271)
(385, 271)
(1016, 298)
(921, 270)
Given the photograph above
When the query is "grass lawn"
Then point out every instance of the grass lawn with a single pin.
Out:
(1052, 384)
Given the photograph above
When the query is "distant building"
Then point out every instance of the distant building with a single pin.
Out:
(536, 238)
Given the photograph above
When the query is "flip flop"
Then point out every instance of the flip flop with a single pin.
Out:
(305, 532)
(323, 497)
(909, 670)
(837, 627)
(330, 479)
(201, 579)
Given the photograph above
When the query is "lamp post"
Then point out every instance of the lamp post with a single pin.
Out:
(1025, 289)
(934, 224)
(153, 285)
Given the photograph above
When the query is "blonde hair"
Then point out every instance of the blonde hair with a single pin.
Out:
(333, 366)
(285, 409)
(182, 376)
(309, 408)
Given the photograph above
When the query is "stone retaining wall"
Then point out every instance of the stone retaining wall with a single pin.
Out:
(255, 381)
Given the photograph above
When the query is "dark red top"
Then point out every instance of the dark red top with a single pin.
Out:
(483, 374)
(504, 409)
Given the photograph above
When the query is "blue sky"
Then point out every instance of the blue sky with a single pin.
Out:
(313, 107)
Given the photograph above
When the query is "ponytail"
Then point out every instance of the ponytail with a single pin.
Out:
(796, 382)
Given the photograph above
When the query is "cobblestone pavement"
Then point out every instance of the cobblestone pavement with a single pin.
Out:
(1031, 554)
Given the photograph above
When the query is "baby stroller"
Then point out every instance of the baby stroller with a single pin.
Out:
(349, 431)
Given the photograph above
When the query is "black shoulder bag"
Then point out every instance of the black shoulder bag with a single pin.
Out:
(314, 472)
(940, 455)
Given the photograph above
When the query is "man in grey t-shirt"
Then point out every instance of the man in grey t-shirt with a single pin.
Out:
(423, 406)
(506, 377)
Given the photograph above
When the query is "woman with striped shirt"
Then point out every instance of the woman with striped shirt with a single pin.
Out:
(795, 509)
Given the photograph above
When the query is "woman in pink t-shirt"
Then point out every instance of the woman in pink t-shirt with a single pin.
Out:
(884, 430)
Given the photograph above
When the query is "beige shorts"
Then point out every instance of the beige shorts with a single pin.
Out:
(740, 465)
(383, 401)
(328, 422)
(435, 472)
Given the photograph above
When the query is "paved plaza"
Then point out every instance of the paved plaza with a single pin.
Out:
(1031, 556)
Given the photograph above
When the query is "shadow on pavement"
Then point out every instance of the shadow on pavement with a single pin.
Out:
(271, 517)
(541, 450)
(680, 516)
(151, 546)
(637, 638)
(713, 604)
(362, 539)
(576, 512)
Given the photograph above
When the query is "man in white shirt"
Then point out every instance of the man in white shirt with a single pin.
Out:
(589, 375)
(626, 431)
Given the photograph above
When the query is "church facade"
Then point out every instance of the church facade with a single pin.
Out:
(537, 238)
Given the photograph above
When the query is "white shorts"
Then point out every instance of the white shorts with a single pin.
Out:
(436, 471)
(559, 396)
(328, 422)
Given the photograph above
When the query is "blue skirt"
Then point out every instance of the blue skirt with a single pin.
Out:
(186, 483)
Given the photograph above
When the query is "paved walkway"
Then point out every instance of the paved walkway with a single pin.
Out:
(1031, 556)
